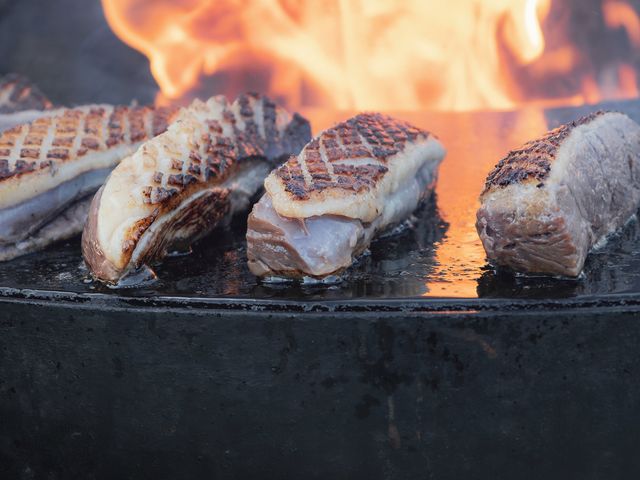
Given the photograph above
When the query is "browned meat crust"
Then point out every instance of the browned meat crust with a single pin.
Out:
(546, 221)
(532, 162)
(204, 169)
(223, 154)
(368, 135)
(75, 133)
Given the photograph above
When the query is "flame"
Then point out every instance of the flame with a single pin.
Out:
(371, 54)
(618, 14)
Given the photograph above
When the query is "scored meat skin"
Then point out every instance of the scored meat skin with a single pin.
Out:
(39, 152)
(177, 187)
(323, 208)
(547, 204)
(51, 163)
(9, 120)
(350, 161)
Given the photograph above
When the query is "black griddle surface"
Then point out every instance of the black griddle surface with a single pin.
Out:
(439, 257)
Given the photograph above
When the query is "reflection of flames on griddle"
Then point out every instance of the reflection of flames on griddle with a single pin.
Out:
(381, 54)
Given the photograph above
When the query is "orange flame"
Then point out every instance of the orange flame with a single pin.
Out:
(360, 54)
(618, 14)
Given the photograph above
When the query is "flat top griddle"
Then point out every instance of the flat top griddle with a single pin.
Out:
(437, 263)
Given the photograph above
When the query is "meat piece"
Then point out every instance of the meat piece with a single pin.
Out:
(547, 204)
(17, 93)
(64, 226)
(52, 163)
(179, 186)
(323, 207)
(10, 120)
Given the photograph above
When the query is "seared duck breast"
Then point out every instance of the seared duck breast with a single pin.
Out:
(322, 208)
(180, 185)
(48, 168)
(548, 203)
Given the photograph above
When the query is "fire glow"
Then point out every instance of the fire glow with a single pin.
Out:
(457, 55)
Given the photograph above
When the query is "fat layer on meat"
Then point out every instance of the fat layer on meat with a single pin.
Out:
(547, 204)
(51, 163)
(179, 186)
(323, 207)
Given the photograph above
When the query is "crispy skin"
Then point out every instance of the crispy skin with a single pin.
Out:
(349, 169)
(18, 93)
(50, 164)
(548, 204)
(368, 135)
(180, 185)
(48, 142)
(215, 153)
(532, 162)
(323, 208)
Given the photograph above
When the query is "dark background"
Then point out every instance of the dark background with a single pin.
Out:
(68, 49)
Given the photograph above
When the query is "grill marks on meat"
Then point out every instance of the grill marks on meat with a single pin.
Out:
(48, 142)
(48, 165)
(546, 205)
(323, 208)
(331, 161)
(180, 185)
(533, 161)
(214, 151)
